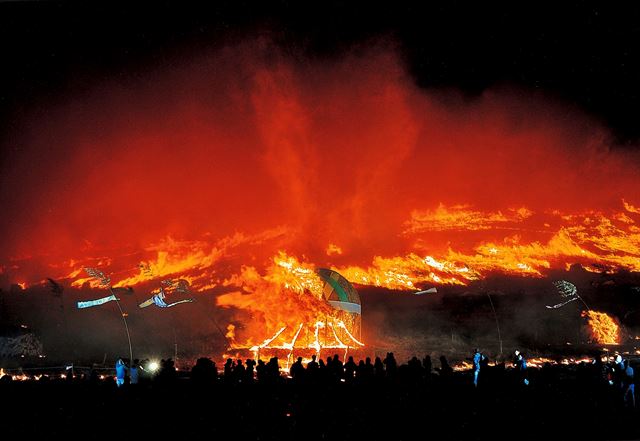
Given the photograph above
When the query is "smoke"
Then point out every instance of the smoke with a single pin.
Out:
(338, 154)
(248, 138)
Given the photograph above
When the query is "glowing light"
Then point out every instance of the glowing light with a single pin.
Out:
(603, 329)
(289, 300)
(153, 366)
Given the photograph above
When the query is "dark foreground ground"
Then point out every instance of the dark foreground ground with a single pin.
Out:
(560, 402)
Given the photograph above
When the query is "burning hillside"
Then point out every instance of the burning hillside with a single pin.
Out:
(244, 172)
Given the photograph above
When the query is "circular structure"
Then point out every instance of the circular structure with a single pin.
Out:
(334, 327)
(344, 298)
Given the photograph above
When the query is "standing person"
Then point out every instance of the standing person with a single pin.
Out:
(121, 368)
(445, 370)
(391, 366)
(629, 387)
(477, 361)
(619, 371)
(521, 368)
(133, 372)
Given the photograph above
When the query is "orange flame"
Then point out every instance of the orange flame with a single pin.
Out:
(287, 307)
(603, 329)
(514, 242)
(596, 241)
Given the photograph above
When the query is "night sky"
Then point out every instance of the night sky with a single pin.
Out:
(584, 53)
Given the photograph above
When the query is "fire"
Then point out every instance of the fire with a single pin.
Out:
(333, 249)
(15, 377)
(345, 166)
(287, 306)
(603, 328)
(593, 239)
(193, 261)
(516, 242)
(395, 189)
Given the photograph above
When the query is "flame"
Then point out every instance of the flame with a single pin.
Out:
(603, 329)
(538, 362)
(333, 249)
(193, 261)
(592, 238)
(630, 208)
(510, 242)
(461, 217)
(261, 153)
(16, 377)
(596, 241)
(395, 189)
(287, 306)
(231, 333)
(462, 366)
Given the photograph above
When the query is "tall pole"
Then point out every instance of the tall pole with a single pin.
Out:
(495, 316)
(126, 326)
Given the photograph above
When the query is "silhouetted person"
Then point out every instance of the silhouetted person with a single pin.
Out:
(204, 372)
(248, 374)
(134, 372)
(446, 371)
(238, 371)
(297, 370)
(391, 366)
(167, 372)
(629, 396)
(273, 370)
(313, 364)
(361, 372)
(378, 368)
(228, 370)
(312, 369)
(414, 369)
(93, 376)
(261, 371)
(521, 369)
(367, 370)
(323, 371)
(350, 369)
(337, 369)
(428, 367)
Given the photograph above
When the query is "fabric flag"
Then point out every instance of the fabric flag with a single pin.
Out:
(158, 300)
(90, 303)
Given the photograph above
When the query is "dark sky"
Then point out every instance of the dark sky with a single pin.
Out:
(586, 54)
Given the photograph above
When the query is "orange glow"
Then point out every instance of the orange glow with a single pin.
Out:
(205, 171)
(287, 309)
(596, 241)
(536, 362)
(517, 242)
(333, 249)
(603, 329)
